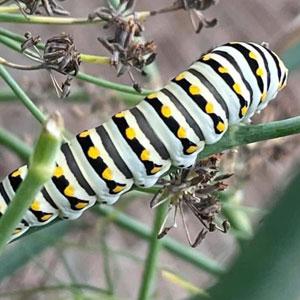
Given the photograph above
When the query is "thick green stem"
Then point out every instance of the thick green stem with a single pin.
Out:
(13, 143)
(95, 59)
(10, 8)
(21, 95)
(39, 172)
(246, 134)
(149, 274)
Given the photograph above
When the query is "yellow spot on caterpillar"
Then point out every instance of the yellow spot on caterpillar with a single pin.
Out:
(191, 149)
(155, 170)
(58, 172)
(17, 230)
(46, 217)
(237, 88)
(107, 174)
(118, 189)
(84, 134)
(244, 110)
(69, 191)
(130, 133)
(93, 152)
(16, 173)
(260, 72)
(209, 108)
(223, 70)
(206, 57)
(166, 111)
(221, 126)
(252, 55)
(181, 133)
(194, 90)
(152, 96)
(180, 76)
(81, 205)
(36, 206)
(120, 115)
(263, 96)
(281, 86)
(145, 155)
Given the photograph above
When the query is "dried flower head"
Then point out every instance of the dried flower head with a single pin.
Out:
(126, 52)
(195, 8)
(60, 54)
(50, 6)
(196, 189)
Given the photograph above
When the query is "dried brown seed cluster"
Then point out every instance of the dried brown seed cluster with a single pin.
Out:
(126, 51)
(196, 189)
(51, 7)
(60, 55)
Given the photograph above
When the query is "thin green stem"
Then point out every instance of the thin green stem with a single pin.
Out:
(22, 95)
(14, 144)
(39, 172)
(149, 274)
(45, 20)
(110, 85)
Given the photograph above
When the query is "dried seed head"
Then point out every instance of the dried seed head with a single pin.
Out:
(50, 6)
(126, 52)
(61, 55)
(196, 189)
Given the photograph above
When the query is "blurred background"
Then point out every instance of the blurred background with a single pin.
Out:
(93, 250)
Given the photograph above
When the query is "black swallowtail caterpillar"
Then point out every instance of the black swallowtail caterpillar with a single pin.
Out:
(170, 127)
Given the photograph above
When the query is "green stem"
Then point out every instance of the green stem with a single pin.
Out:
(22, 95)
(39, 172)
(139, 229)
(13, 143)
(110, 85)
(153, 255)
(246, 134)
(94, 59)
(10, 9)
(45, 20)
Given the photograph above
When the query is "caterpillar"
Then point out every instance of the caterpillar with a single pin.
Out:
(170, 127)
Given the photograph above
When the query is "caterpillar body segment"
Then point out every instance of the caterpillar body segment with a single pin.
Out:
(170, 127)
